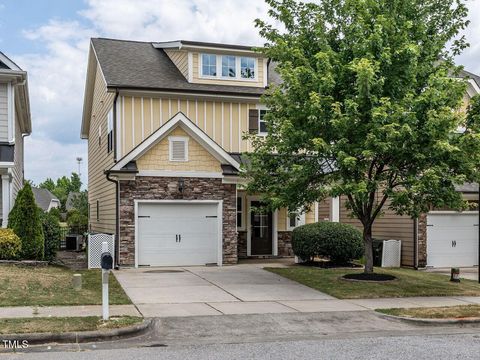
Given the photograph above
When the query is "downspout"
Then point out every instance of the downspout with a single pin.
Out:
(117, 213)
(116, 182)
(415, 243)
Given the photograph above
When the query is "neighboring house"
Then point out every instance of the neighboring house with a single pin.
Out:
(69, 203)
(44, 199)
(165, 124)
(15, 124)
(441, 238)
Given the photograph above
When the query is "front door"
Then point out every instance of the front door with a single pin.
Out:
(261, 234)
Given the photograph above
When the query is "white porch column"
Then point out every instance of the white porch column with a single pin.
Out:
(5, 199)
(335, 209)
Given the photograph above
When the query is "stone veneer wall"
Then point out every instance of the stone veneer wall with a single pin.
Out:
(166, 188)
(242, 244)
(285, 243)
(422, 240)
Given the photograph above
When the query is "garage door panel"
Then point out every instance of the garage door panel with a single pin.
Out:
(452, 239)
(195, 224)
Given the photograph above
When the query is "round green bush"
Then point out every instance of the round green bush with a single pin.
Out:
(10, 245)
(341, 243)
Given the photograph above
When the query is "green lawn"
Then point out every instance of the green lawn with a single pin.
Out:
(60, 325)
(446, 312)
(408, 283)
(52, 285)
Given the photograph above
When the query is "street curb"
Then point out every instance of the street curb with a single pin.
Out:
(81, 336)
(429, 322)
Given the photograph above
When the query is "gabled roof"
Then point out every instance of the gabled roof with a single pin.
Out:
(70, 198)
(182, 44)
(191, 129)
(43, 198)
(139, 65)
(11, 72)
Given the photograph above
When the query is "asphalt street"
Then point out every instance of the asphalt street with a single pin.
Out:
(460, 346)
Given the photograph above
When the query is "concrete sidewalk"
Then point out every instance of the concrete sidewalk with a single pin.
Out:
(239, 307)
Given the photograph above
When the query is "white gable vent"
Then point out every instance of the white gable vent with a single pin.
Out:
(178, 148)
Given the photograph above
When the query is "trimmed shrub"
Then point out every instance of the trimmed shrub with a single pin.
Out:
(341, 243)
(52, 234)
(10, 245)
(56, 212)
(24, 220)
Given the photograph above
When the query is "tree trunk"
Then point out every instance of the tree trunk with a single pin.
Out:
(368, 243)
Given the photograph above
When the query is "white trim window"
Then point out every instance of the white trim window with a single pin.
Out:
(209, 65)
(110, 131)
(262, 125)
(240, 208)
(294, 219)
(228, 67)
(247, 68)
(178, 148)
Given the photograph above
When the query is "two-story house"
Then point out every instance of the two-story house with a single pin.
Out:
(15, 124)
(165, 125)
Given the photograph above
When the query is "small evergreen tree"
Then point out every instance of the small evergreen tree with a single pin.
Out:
(52, 234)
(24, 220)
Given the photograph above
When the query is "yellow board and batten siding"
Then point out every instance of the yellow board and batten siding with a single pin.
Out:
(224, 121)
(98, 187)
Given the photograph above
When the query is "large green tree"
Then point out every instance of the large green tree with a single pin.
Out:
(368, 108)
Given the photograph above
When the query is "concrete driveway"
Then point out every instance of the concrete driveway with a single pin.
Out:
(465, 273)
(188, 291)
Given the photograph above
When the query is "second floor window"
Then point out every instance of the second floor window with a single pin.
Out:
(110, 131)
(209, 65)
(262, 125)
(247, 68)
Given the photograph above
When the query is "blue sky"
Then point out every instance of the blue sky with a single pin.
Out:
(50, 38)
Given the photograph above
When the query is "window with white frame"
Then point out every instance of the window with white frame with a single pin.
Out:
(228, 67)
(294, 219)
(110, 131)
(178, 148)
(240, 213)
(209, 65)
(262, 125)
(247, 68)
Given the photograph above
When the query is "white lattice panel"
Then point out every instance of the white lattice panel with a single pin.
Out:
(391, 255)
(95, 248)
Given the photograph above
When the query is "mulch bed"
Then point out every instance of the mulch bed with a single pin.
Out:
(329, 265)
(369, 277)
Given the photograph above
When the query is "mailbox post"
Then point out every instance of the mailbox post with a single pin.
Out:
(106, 264)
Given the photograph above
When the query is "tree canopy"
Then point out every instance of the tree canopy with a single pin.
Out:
(369, 107)
(62, 187)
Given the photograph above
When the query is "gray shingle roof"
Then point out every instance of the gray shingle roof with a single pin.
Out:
(138, 65)
(69, 202)
(43, 198)
(476, 78)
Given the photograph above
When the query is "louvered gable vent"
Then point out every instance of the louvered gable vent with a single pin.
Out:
(178, 148)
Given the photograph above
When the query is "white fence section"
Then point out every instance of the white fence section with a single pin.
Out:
(95, 248)
(391, 253)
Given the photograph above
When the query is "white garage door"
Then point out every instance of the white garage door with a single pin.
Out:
(452, 239)
(172, 234)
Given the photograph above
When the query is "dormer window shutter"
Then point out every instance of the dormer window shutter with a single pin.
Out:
(253, 121)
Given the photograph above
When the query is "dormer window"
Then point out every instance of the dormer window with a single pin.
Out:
(228, 67)
(178, 148)
(209, 65)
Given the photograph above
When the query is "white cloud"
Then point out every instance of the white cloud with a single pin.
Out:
(57, 75)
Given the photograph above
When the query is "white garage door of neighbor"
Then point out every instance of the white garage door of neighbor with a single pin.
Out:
(452, 239)
(177, 234)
